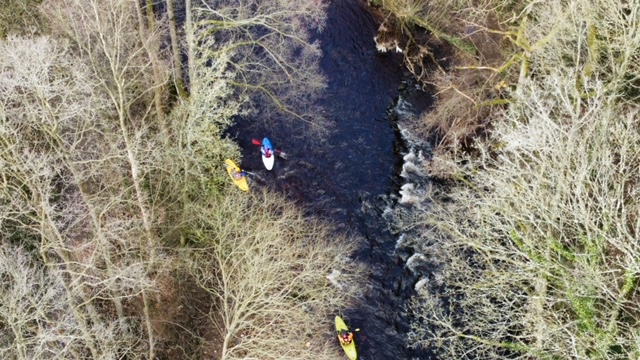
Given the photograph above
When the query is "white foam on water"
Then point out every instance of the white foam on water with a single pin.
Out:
(416, 260)
(387, 212)
(409, 157)
(401, 241)
(408, 168)
(410, 195)
(421, 286)
(403, 108)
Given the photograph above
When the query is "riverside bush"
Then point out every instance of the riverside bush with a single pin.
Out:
(466, 53)
(20, 17)
(536, 250)
(98, 185)
(266, 269)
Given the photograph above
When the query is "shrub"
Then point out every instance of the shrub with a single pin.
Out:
(20, 17)
(540, 239)
(275, 278)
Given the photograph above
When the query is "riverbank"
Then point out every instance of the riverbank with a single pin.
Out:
(122, 235)
(531, 245)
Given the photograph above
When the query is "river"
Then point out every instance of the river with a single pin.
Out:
(354, 178)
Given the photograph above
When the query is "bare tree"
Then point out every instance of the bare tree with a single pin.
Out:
(92, 188)
(149, 34)
(55, 154)
(536, 246)
(276, 271)
(267, 47)
(35, 323)
(102, 32)
(176, 50)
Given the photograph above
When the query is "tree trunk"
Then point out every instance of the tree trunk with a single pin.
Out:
(189, 27)
(147, 37)
(175, 48)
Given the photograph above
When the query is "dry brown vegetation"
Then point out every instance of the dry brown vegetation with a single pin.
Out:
(21, 17)
(467, 60)
(271, 290)
(535, 249)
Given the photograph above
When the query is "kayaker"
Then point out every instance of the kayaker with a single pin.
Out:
(345, 337)
(238, 174)
(266, 152)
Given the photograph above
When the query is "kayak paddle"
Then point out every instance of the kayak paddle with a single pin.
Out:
(282, 154)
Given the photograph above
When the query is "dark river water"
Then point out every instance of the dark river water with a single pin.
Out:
(353, 178)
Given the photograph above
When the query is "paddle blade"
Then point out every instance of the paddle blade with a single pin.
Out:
(256, 142)
(281, 154)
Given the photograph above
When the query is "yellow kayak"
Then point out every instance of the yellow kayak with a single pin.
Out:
(234, 169)
(349, 349)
